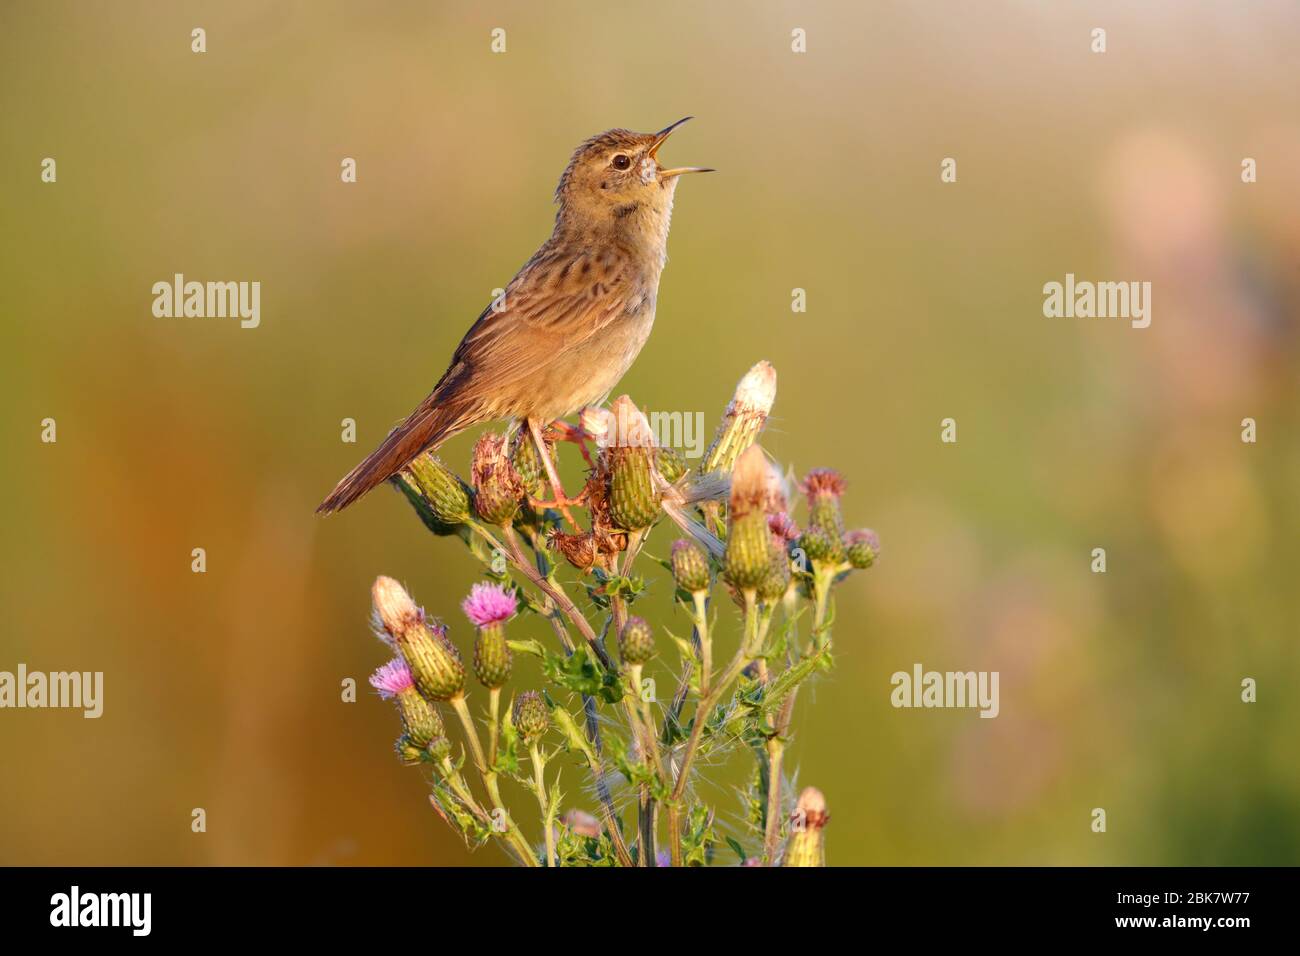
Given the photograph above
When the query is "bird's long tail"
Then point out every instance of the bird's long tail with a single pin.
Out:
(427, 427)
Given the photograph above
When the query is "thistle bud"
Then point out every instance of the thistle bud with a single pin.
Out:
(627, 457)
(636, 642)
(690, 566)
(862, 547)
(817, 545)
(435, 491)
(498, 489)
(434, 661)
(421, 720)
(488, 607)
(743, 420)
(671, 463)
(528, 462)
(633, 501)
(777, 581)
(532, 718)
(439, 749)
(754, 488)
(748, 557)
(824, 487)
(805, 846)
(407, 752)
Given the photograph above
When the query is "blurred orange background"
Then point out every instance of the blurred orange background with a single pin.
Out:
(222, 690)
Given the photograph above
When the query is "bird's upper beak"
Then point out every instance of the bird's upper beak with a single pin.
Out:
(660, 138)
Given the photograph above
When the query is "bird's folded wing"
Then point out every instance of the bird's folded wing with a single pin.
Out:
(556, 303)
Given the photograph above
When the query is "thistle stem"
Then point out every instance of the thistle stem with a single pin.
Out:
(548, 587)
(490, 780)
(746, 652)
(775, 754)
(539, 777)
(494, 716)
(700, 601)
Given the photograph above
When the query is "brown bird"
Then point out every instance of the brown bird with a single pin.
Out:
(568, 325)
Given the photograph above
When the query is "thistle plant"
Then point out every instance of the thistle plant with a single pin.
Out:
(754, 610)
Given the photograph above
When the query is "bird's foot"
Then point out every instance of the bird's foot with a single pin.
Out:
(560, 430)
(560, 501)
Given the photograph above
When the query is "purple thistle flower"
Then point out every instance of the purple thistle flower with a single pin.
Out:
(489, 604)
(393, 678)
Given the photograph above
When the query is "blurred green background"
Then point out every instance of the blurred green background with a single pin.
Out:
(924, 301)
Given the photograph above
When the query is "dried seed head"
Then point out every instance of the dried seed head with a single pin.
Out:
(690, 566)
(532, 718)
(579, 550)
(636, 642)
(743, 419)
(498, 489)
(862, 547)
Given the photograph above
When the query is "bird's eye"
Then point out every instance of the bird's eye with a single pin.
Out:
(621, 162)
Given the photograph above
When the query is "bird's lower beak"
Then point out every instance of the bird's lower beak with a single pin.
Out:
(680, 170)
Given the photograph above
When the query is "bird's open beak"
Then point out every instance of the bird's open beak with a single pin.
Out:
(660, 138)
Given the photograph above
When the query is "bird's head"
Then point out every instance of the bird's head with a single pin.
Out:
(615, 181)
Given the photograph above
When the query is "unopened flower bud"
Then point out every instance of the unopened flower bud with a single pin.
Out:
(439, 748)
(532, 718)
(805, 846)
(862, 547)
(633, 501)
(824, 487)
(435, 491)
(777, 581)
(394, 607)
(434, 661)
(407, 751)
(817, 545)
(748, 559)
(744, 419)
(636, 642)
(488, 607)
(671, 463)
(690, 566)
(528, 463)
(498, 489)
(395, 681)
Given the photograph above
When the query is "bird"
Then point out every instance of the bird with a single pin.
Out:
(568, 325)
